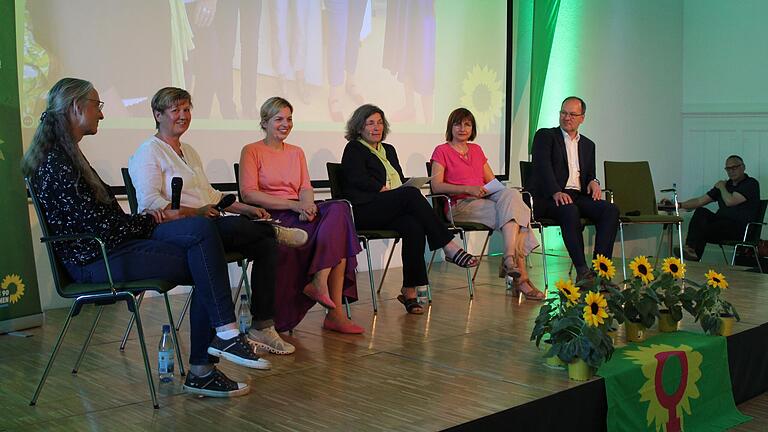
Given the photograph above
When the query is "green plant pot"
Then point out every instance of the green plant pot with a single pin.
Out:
(666, 323)
(726, 325)
(579, 370)
(554, 362)
(635, 332)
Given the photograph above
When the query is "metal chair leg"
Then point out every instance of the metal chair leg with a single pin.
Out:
(64, 328)
(482, 253)
(470, 286)
(244, 281)
(348, 309)
(185, 308)
(130, 325)
(623, 254)
(386, 267)
(679, 240)
(174, 334)
(370, 274)
(99, 310)
(431, 260)
(544, 259)
(140, 330)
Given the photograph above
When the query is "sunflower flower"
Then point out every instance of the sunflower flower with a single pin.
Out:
(569, 290)
(674, 267)
(594, 311)
(716, 279)
(642, 269)
(604, 267)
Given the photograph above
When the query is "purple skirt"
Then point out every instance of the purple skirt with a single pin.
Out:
(332, 237)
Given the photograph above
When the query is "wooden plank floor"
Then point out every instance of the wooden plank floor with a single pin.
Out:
(460, 361)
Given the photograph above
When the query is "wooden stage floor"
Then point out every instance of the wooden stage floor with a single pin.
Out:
(460, 361)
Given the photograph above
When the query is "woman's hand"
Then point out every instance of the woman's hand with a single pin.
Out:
(258, 213)
(208, 211)
(384, 188)
(307, 211)
(476, 191)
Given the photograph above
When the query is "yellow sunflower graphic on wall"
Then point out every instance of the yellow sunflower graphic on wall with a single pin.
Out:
(642, 269)
(13, 283)
(569, 290)
(716, 279)
(674, 267)
(604, 267)
(483, 95)
(594, 311)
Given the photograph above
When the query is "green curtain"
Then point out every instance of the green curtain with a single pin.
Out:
(19, 298)
(544, 23)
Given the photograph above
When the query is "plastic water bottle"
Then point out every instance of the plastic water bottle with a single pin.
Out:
(244, 314)
(165, 353)
(422, 295)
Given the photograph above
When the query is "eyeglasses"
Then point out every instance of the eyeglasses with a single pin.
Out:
(733, 168)
(567, 114)
(100, 103)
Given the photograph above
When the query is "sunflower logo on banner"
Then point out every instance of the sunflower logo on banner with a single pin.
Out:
(11, 290)
(483, 96)
(671, 374)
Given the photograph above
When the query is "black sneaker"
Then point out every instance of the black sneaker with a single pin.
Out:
(215, 384)
(238, 351)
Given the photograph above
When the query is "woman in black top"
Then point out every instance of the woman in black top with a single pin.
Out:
(372, 180)
(156, 244)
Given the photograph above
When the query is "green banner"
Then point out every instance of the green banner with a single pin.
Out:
(19, 297)
(672, 382)
(544, 23)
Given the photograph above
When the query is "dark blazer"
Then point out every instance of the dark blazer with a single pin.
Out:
(550, 163)
(364, 174)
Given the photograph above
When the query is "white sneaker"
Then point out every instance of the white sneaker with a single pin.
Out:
(291, 237)
(268, 339)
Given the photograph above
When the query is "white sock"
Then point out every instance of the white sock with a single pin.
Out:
(227, 334)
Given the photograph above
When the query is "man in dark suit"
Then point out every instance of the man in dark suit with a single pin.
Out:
(565, 188)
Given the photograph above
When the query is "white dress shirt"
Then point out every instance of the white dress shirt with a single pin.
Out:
(572, 150)
(155, 164)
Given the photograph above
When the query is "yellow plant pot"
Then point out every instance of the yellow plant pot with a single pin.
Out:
(635, 332)
(726, 325)
(554, 362)
(666, 323)
(579, 370)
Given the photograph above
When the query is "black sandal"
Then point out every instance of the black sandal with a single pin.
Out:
(412, 305)
(463, 259)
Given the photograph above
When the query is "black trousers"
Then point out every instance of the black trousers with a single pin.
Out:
(406, 211)
(256, 241)
(707, 227)
(604, 214)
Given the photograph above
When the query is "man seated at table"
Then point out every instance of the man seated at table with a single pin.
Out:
(738, 200)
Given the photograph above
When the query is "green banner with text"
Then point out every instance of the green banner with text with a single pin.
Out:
(19, 297)
(672, 382)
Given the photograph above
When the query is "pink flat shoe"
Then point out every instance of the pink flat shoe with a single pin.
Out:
(346, 327)
(312, 292)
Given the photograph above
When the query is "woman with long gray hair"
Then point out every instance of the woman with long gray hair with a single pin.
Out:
(154, 244)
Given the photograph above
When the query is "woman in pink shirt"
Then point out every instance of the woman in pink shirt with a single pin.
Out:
(460, 169)
(274, 175)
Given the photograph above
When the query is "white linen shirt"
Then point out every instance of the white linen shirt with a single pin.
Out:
(572, 149)
(153, 167)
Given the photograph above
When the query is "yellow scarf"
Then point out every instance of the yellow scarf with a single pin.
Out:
(381, 153)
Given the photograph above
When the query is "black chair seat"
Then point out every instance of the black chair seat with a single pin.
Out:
(473, 226)
(378, 234)
(651, 219)
(73, 290)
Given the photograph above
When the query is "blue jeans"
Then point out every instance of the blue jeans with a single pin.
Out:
(186, 251)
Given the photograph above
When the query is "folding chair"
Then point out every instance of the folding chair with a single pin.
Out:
(750, 239)
(98, 294)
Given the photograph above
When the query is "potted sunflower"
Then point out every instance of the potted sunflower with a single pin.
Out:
(637, 305)
(552, 309)
(669, 287)
(706, 303)
(577, 325)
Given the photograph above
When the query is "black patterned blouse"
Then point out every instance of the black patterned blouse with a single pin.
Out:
(71, 207)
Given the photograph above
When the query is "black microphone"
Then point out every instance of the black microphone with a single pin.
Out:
(176, 184)
(224, 202)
